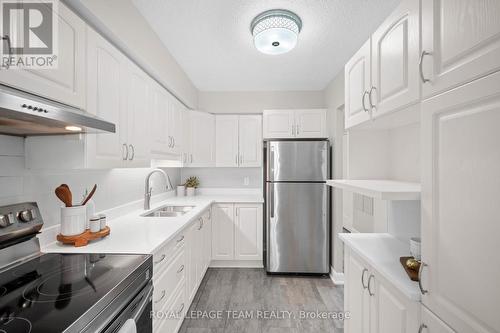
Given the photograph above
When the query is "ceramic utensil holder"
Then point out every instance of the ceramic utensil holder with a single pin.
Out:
(73, 220)
(181, 191)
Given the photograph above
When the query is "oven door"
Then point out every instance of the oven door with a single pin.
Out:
(136, 317)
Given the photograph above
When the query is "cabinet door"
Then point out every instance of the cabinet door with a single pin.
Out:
(250, 141)
(278, 124)
(432, 324)
(105, 99)
(395, 51)
(207, 243)
(463, 39)
(226, 141)
(356, 299)
(248, 232)
(174, 130)
(460, 191)
(202, 139)
(357, 85)
(138, 137)
(390, 311)
(159, 110)
(193, 252)
(186, 137)
(310, 123)
(65, 84)
(223, 232)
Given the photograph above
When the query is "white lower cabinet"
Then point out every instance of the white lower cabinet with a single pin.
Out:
(237, 232)
(432, 324)
(374, 305)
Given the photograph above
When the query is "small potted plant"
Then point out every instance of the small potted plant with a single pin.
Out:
(191, 184)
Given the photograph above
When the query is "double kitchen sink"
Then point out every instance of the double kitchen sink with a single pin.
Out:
(169, 211)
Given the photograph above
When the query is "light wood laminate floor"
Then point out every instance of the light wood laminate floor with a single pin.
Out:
(242, 296)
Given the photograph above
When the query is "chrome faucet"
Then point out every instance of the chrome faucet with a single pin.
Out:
(148, 189)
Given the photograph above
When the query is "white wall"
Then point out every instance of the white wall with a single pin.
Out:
(256, 101)
(115, 187)
(123, 24)
(334, 97)
(225, 177)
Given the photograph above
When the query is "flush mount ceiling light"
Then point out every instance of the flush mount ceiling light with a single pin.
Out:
(276, 31)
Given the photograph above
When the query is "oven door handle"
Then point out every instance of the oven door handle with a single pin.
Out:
(139, 309)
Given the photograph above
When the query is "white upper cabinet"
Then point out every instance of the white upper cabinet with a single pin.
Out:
(460, 191)
(383, 76)
(278, 124)
(226, 141)
(395, 50)
(461, 41)
(107, 99)
(202, 135)
(159, 108)
(66, 84)
(357, 86)
(238, 141)
(284, 124)
(310, 123)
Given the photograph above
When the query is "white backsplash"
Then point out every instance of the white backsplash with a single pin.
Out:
(115, 187)
(225, 177)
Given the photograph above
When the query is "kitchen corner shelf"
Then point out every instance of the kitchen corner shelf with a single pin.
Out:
(379, 189)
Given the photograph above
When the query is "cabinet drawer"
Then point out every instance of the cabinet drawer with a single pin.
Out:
(172, 315)
(167, 282)
(166, 254)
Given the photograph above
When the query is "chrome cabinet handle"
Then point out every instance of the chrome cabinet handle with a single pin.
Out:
(369, 285)
(237, 161)
(363, 278)
(421, 66)
(180, 239)
(363, 101)
(201, 223)
(422, 290)
(163, 293)
(161, 259)
(297, 129)
(180, 269)
(421, 328)
(370, 97)
(173, 138)
(124, 152)
(9, 49)
(169, 141)
(132, 155)
(209, 214)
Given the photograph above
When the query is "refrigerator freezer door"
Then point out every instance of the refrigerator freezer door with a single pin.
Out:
(302, 161)
(297, 228)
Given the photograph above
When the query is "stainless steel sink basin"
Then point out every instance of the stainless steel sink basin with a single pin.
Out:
(169, 211)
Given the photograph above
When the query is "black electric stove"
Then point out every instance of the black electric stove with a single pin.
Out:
(70, 292)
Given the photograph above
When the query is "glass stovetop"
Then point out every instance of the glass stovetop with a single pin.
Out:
(49, 293)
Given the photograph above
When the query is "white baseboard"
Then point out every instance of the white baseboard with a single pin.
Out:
(236, 264)
(336, 277)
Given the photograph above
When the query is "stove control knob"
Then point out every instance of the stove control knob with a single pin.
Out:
(25, 216)
(5, 221)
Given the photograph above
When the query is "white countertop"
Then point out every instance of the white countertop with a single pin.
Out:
(133, 233)
(382, 253)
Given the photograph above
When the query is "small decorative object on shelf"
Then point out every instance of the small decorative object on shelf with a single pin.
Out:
(411, 266)
(191, 184)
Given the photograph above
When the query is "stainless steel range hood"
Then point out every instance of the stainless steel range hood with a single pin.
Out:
(24, 114)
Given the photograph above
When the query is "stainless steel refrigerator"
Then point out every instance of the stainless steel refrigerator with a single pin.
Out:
(297, 227)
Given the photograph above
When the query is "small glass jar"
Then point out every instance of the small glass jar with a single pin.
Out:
(102, 221)
(95, 225)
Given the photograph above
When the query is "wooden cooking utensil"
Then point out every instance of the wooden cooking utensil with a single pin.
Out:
(64, 194)
(90, 195)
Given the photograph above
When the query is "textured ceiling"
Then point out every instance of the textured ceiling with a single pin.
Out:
(211, 40)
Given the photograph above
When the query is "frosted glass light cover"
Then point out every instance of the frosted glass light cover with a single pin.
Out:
(276, 31)
(275, 41)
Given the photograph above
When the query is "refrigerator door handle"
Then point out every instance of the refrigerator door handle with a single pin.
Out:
(271, 163)
(271, 195)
